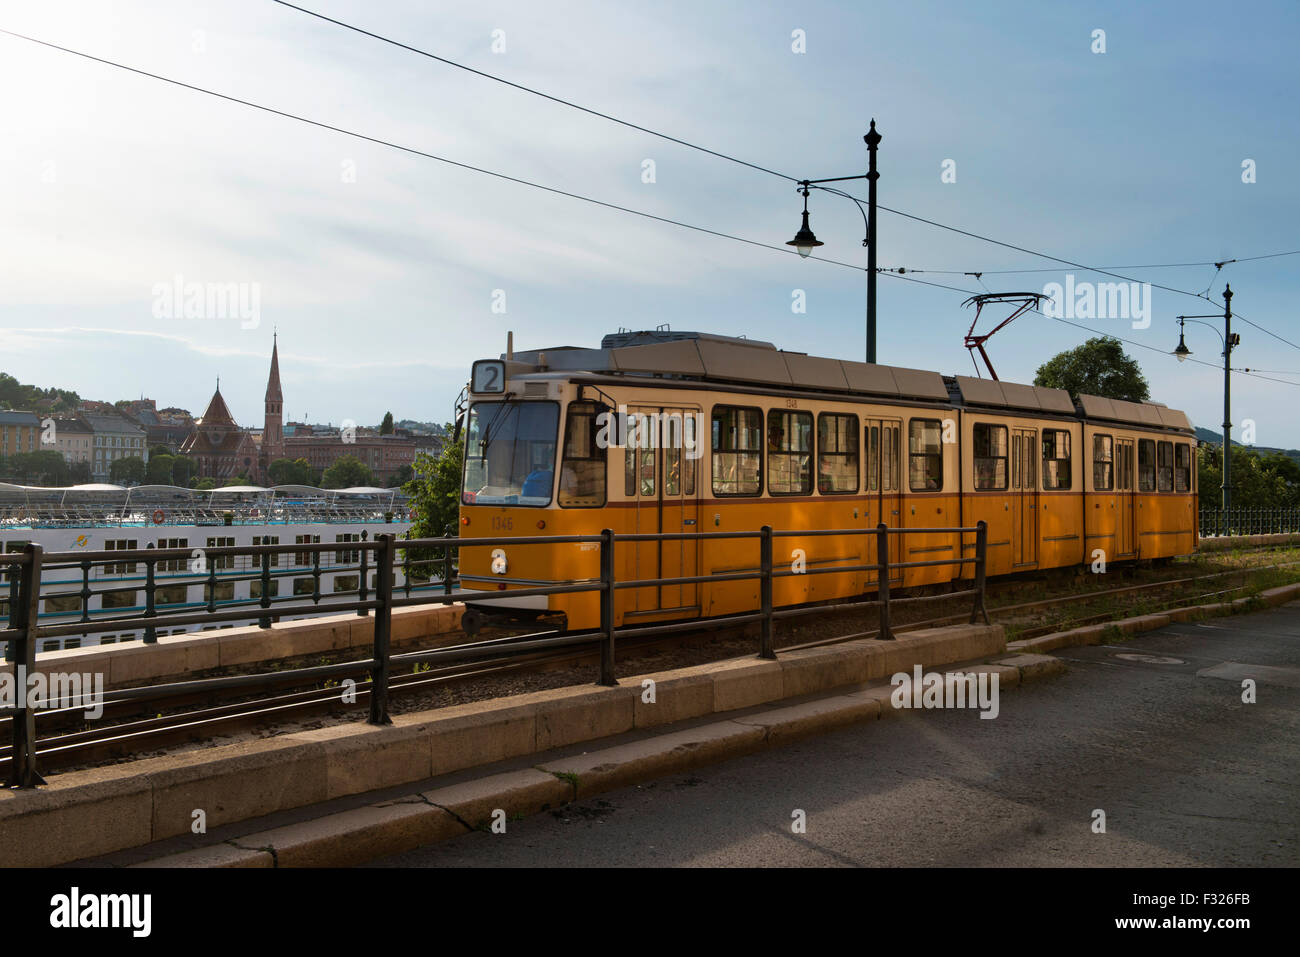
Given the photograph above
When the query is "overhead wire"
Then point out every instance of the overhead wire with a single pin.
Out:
(641, 213)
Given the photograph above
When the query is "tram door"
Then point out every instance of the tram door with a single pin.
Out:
(881, 442)
(1024, 497)
(1125, 521)
(661, 473)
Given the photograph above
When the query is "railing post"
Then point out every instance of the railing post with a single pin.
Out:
(607, 608)
(447, 571)
(265, 620)
(150, 598)
(15, 578)
(85, 590)
(882, 581)
(765, 649)
(383, 630)
(361, 579)
(406, 566)
(981, 554)
(22, 761)
(212, 584)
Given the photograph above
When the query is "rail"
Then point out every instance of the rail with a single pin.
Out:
(382, 555)
(1215, 522)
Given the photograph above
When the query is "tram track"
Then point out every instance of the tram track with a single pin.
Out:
(131, 736)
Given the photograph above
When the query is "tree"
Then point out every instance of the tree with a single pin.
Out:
(1098, 367)
(160, 468)
(292, 472)
(79, 473)
(434, 492)
(236, 480)
(401, 476)
(205, 484)
(16, 395)
(1259, 479)
(159, 450)
(46, 467)
(434, 496)
(127, 471)
(386, 427)
(346, 472)
(182, 471)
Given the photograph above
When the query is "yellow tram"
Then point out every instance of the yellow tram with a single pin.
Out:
(689, 432)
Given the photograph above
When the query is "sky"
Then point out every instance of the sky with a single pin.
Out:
(386, 274)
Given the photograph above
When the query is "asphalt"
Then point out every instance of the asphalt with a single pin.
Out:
(1153, 732)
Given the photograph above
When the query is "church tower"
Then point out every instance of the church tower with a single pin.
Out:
(273, 430)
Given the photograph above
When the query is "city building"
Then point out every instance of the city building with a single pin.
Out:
(167, 427)
(219, 448)
(20, 432)
(114, 437)
(74, 440)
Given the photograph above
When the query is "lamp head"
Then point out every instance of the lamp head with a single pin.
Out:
(804, 240)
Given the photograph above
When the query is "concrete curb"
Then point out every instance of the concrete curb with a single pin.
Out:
(1095, 634)
(1246, 541)
(87, 814)
(356, 836)
(188, 655)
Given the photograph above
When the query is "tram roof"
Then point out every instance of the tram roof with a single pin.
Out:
(724, 358)
(709, 357)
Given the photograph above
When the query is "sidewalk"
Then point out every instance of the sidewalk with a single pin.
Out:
(367, 826)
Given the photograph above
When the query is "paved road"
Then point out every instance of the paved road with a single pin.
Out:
(1186, 773)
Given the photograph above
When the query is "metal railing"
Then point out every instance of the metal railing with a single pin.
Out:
(24, 570)
(163, 574)
(166, 514)
(1215, 522)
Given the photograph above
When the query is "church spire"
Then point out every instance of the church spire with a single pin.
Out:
(273, 392)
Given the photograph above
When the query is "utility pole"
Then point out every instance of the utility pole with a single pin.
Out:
(872, 139)
(1227, 398)
(1230, 341)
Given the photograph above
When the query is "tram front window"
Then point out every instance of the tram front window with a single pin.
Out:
(510, 453)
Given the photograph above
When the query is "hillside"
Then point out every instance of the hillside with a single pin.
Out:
(1216, 438)
(19, 395)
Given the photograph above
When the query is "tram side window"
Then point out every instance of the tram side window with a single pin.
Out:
(1056, 459)
(889, 458)
(1182, 467)
(990, 457)
(737, 451)
(789, 452)
(677, 437)
(582, 473)
(681, 452)
(925, 455)
(837, 453)
(1146, 465)
(1164, 466)
(1103, 463)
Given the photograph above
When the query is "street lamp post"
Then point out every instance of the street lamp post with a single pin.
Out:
(1230, 340)
(805, 241)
